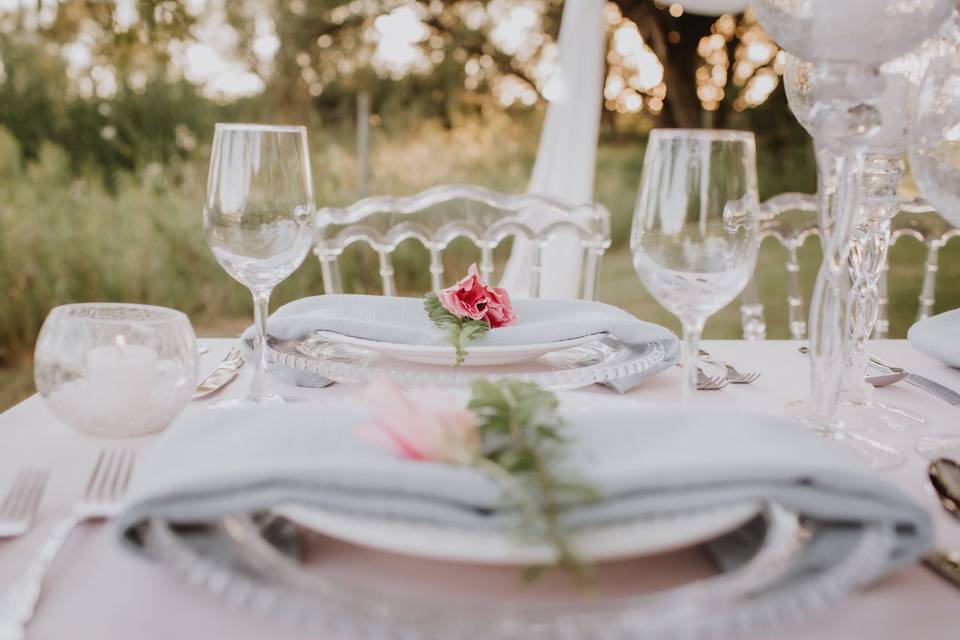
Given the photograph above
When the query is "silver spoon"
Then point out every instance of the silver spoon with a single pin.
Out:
(944, 476)
(895, 375)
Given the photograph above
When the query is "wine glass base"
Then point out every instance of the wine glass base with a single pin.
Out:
(874, 416)
(809, 416)
(941, 446)
(876, 455)
(255, 401)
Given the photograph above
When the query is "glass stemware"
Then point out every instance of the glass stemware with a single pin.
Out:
(695, 227)
(848, 41)
(935, 135)
(935, 162)
(870, 240)
(258, 218)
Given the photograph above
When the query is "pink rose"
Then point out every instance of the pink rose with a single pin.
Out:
(471, 298)
(424, 424)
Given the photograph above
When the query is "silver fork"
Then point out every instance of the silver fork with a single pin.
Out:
(101, 500)
(707, 383)
(733, 375)
(20, 504)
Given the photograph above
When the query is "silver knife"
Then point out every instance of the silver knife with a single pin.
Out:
(945, 564)
(934, 387)
(222, 375)
(931, 386)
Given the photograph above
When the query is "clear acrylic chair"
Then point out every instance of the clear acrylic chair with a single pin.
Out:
(438, 216)
(791, 219)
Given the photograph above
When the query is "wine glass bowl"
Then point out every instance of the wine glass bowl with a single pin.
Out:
(258, 218)
(935, 136)
(862, 32)
(935, 160)
(695, 228)
(115, 369)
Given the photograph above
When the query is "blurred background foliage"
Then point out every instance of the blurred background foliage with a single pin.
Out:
(107, 110)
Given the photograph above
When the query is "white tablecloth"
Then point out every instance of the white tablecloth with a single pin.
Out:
(97, 590)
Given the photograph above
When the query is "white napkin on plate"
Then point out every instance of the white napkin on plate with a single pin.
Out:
(404, 321)
(641, 462)
(938, 337)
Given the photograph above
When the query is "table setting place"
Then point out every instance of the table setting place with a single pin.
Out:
(476, 462)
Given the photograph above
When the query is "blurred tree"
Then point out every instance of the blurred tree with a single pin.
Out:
(464, 54)
(122, 81)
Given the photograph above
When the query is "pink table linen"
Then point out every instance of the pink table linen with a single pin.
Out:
(98, 590)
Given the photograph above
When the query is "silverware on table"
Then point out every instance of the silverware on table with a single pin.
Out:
(202, 349)
(930, 386)
(944, 475)
(945, 564)
(885, 379)
(896, 374)
(734, 376)
(19, 506)
(707, 383)
(222, 375)
(101, 500)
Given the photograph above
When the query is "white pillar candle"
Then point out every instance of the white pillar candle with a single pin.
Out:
(120, 376)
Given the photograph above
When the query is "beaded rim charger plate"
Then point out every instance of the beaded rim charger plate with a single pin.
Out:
(599, 359)
(270, 566)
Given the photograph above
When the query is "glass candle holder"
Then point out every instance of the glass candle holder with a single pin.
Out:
(116, 369)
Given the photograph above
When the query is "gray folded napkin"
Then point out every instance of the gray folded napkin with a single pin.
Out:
(404, 321)
(938, 337)
(641, 463)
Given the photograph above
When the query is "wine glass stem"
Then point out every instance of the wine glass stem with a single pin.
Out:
(260, 387)
(840, 171)
(691, 348)
(867, 260)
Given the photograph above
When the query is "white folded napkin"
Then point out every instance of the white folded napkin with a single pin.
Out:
(640, 462)
(938, 337)
(404, 321)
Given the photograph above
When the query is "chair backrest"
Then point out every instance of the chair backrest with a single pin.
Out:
(791, 219)
(438, 216)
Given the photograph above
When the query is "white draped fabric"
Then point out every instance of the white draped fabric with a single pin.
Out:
(566, 158)
(567, 154)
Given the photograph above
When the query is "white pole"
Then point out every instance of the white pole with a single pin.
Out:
(363, 142)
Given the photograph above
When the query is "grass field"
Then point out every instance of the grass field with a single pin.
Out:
(65, 238)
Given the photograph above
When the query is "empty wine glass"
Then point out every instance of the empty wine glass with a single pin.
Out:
(848, 40)
(695, 226)
(935, 162)
(859, 407)
(935, 136)
(258, 218)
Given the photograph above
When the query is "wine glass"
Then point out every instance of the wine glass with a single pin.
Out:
(258, 218)
(695, 227)
(935, 136)
(848, 40)
(879, 202)
(935, 162)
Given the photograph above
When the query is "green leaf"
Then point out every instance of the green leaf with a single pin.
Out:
(522, 447)
(534, 573)
(459, 330)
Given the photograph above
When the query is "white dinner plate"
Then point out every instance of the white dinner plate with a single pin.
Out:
(649, 536)
(477, 356)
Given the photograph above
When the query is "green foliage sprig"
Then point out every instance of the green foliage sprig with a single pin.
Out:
(522, 449)
(459, 330)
